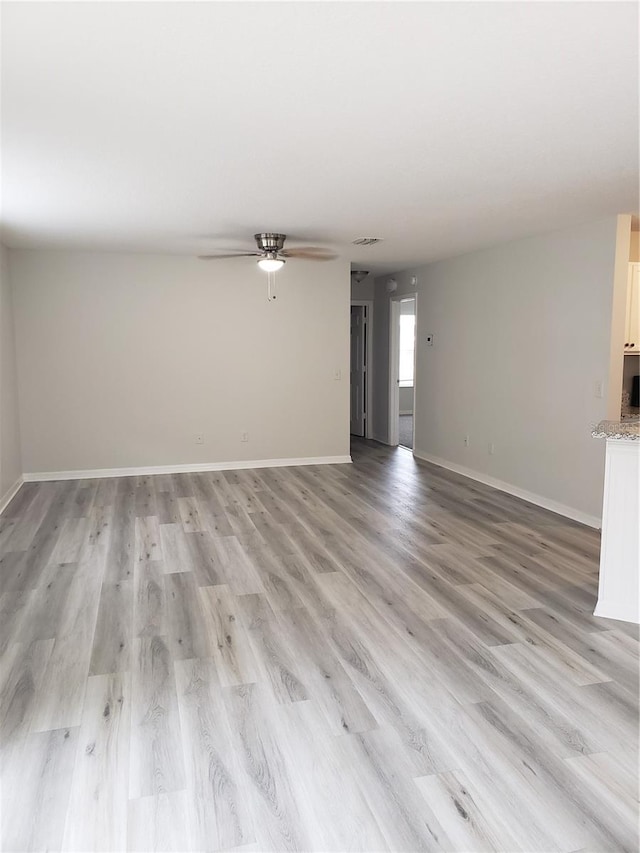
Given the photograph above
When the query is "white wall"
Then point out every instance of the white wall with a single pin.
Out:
(380, 401)
(123, 359)
(364, 289)
(522, 335)
(10, 457)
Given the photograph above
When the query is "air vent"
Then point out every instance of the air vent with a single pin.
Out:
(367, 241)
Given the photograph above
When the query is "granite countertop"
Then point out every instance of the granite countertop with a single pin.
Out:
(627, 429)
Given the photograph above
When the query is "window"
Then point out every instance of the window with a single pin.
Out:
(407, 343)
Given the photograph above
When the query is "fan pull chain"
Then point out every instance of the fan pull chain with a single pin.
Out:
(271, 278)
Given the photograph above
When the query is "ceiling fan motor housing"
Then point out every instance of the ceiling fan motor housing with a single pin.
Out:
(270, 242)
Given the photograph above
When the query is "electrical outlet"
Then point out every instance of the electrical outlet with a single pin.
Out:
(429, 340)
(467, 441)
(244, 436)
(199, 439)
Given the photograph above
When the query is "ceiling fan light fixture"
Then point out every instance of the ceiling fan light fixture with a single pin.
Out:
(358, 276)
(270, 263)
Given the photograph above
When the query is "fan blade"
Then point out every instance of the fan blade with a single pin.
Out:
(235, 255)
(310, 253)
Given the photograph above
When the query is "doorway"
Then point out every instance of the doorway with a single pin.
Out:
(402, 371)
(360, 375)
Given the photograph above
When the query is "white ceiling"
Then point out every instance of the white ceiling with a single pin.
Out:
(441, 127)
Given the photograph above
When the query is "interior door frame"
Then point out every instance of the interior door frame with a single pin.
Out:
(393, 429)
(368, 420)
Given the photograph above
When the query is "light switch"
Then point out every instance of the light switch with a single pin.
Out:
(337, 375)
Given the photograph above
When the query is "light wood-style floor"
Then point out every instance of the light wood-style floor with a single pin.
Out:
(377, 656)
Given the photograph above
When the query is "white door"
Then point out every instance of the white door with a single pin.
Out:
(358, 368)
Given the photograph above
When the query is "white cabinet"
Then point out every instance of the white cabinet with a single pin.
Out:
(632, 327)
(619, 583)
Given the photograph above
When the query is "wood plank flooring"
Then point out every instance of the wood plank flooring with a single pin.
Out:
(377, 656)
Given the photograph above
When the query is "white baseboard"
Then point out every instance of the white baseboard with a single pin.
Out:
(623, 611)
(6, 499)
(194, 468)
(516, 491)
(410, 412)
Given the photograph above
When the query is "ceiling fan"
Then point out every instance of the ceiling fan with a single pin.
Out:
(272, 255)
